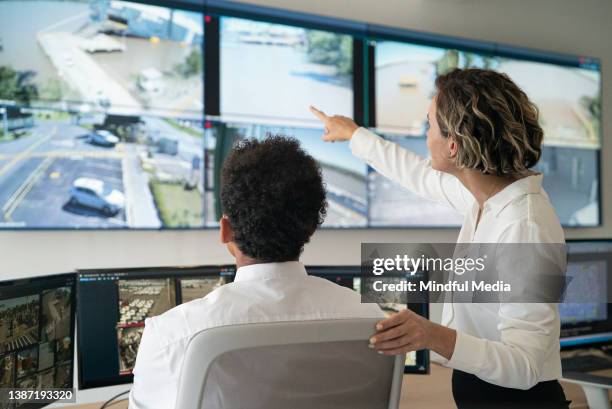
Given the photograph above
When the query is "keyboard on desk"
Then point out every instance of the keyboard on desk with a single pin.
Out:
(585, 363)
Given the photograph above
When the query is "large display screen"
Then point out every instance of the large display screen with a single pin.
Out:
(277, 71)
(117, 56)
(568, 98)
(103, 123)
(101, 108)
(102, 171)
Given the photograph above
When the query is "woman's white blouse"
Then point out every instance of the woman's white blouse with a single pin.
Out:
(509, 344)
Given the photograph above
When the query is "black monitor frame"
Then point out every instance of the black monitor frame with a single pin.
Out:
(597, 333)
(422, 309)
(146, 272)
(43, 283)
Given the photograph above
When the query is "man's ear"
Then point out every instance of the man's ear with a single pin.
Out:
(226, 233)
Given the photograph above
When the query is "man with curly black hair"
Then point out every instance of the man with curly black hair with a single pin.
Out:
(273, 200)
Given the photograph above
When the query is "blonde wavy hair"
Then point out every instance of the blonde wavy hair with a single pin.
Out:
(492, 120)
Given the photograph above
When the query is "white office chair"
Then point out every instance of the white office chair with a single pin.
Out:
(290, 365)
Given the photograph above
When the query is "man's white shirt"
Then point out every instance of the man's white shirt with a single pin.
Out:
(509, 344)
(267, 292)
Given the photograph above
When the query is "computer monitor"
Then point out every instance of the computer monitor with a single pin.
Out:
(350, 277)
(37, 333)
(114, 304)
(585, 322)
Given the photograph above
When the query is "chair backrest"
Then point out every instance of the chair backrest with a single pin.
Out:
(292, 364)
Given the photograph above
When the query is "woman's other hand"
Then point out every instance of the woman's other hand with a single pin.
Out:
(337, 128)
(406, 331)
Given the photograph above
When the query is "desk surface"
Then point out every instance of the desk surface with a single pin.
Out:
(424, 392)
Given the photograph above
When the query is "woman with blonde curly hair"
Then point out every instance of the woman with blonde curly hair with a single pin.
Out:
(484, 139)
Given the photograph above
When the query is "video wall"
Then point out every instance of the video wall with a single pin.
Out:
(105, 122)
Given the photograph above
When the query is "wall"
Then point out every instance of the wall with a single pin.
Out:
(566, 26)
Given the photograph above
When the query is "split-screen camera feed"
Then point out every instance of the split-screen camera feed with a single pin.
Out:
(344, 175)
(123, 151)
(277, 71)
(142, 298)
(35, 340)
(568, 99)
(139, 299)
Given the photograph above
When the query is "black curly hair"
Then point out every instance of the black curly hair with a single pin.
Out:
(273, 195)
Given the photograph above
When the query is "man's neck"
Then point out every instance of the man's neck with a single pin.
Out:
(243, 261)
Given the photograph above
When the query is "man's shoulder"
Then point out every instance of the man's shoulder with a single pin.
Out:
(183, 321)
(343, 300)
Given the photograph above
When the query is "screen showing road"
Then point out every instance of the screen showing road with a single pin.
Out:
(343, 174)
(100, 115)
(143, 58)
(277, 71)
(102, 171)
(569, 101)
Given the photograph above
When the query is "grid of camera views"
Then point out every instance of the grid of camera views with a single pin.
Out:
(142, 298)
(569, 102)
(35, 341)
(123, 151)
(129, 151)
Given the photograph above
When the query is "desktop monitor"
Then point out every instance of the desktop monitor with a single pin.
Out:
(37, 333)
(350, 277)
(586, 316)
(114, 304)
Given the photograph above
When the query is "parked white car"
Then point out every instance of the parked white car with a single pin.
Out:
(95, 194)
(103, 138)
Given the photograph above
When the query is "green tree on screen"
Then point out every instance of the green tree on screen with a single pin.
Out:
(17, 86)
(330, 49)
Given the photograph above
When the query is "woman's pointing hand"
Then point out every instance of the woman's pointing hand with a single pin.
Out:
(337, 128)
